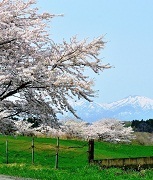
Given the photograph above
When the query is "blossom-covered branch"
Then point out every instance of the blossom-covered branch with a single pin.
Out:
(42, 74)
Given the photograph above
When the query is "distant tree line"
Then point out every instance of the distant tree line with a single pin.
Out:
(142, 126)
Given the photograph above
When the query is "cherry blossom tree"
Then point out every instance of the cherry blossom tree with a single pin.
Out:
(74, 128)
(7, 127)
(23, 128)
(110, 130)
(37, 75)
(45, 130)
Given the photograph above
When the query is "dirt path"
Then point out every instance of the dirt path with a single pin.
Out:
(3, 177)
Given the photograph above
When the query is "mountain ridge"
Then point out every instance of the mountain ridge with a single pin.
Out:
(126, 109)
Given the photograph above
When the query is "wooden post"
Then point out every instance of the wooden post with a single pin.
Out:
(56, 157)
(91, 151)
(32, 146)
(6, 151)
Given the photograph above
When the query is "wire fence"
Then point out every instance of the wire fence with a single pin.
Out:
(56, 152)
(34, 151)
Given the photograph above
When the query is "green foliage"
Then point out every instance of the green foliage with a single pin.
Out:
(127, 123)
(73, 162)
(35, 121)
(142, 126)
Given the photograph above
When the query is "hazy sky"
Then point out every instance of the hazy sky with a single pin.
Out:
(128, 29)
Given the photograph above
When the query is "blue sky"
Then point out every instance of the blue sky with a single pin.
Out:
(128, 29)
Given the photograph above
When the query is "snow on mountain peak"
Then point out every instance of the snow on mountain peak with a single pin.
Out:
(135, 101)
(129, 108)
(141, 101)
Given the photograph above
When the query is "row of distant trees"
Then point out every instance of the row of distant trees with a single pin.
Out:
(137, 125)
(110, 130)
(142, 126)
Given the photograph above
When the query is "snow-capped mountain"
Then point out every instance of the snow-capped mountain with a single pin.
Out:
(130, 108)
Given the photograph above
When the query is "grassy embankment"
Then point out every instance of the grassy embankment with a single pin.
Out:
(73, 163)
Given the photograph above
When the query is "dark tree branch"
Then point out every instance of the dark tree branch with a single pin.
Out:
(6, 88)
(13, 114)
(22, 86)
(6, 42)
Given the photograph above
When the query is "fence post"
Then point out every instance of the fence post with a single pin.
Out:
(56, 157)
(6, 151)
(32, 146)
(91, 151)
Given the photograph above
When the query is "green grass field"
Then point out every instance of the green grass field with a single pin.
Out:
(73, 159)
